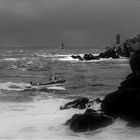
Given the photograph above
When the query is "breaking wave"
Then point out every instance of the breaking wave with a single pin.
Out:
(11, 86)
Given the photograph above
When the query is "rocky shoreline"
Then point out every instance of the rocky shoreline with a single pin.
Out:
(115, 51)
(123, 103)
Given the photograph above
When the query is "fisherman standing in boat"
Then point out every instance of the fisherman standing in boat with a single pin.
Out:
(53, 78)
(62, 45)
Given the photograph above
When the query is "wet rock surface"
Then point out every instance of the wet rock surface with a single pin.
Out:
(77, 57)
(90, 120)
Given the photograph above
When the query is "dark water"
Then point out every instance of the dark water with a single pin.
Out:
(35, 112)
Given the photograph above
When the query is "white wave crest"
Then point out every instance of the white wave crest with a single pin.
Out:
(13, 59)
(9, 59)
(56, 87)
(69, 58)
(11, 86)
(51, 55)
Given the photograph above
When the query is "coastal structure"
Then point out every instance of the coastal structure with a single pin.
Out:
(118, 41)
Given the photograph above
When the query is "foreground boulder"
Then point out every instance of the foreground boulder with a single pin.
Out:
(90, 120)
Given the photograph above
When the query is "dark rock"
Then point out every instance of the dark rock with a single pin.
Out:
(77, 57)
(111, 105)
(89, 57)
(125, 50)
(79, 103)
(128, 46)
(135, 62)
(132, 81)
(97, 57)
(133, 124)
(118, 49)
(125, 102)
(135, 39)
(90, 111)
(90, 120)
(109, 53)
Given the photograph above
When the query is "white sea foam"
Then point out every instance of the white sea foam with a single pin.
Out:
(14, 67)
(13, 59)
(109, 59)
(57, 87)
(69, 58)
(52, 55)
(9, 59)
(11, 86)
(21, 51)
(38, 120)
(29, 63)
(44, 120)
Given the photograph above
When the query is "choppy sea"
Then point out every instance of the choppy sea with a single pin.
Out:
(34, 113)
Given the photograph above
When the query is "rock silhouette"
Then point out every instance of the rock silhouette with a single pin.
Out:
(116, 51)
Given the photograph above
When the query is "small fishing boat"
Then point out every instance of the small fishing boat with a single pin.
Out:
(53, 83)
(48, 85)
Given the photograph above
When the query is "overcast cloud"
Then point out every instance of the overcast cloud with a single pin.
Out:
(75, 22)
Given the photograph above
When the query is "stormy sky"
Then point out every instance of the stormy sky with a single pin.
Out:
(75, 22)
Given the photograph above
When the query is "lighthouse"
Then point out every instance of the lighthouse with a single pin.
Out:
(118, 39)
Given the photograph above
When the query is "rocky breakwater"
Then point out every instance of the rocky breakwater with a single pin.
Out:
(123, 103)
(114, 51)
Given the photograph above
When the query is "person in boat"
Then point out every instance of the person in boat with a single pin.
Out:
(53, 79)
(31, 83)
(38, 83)
(62, 45)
